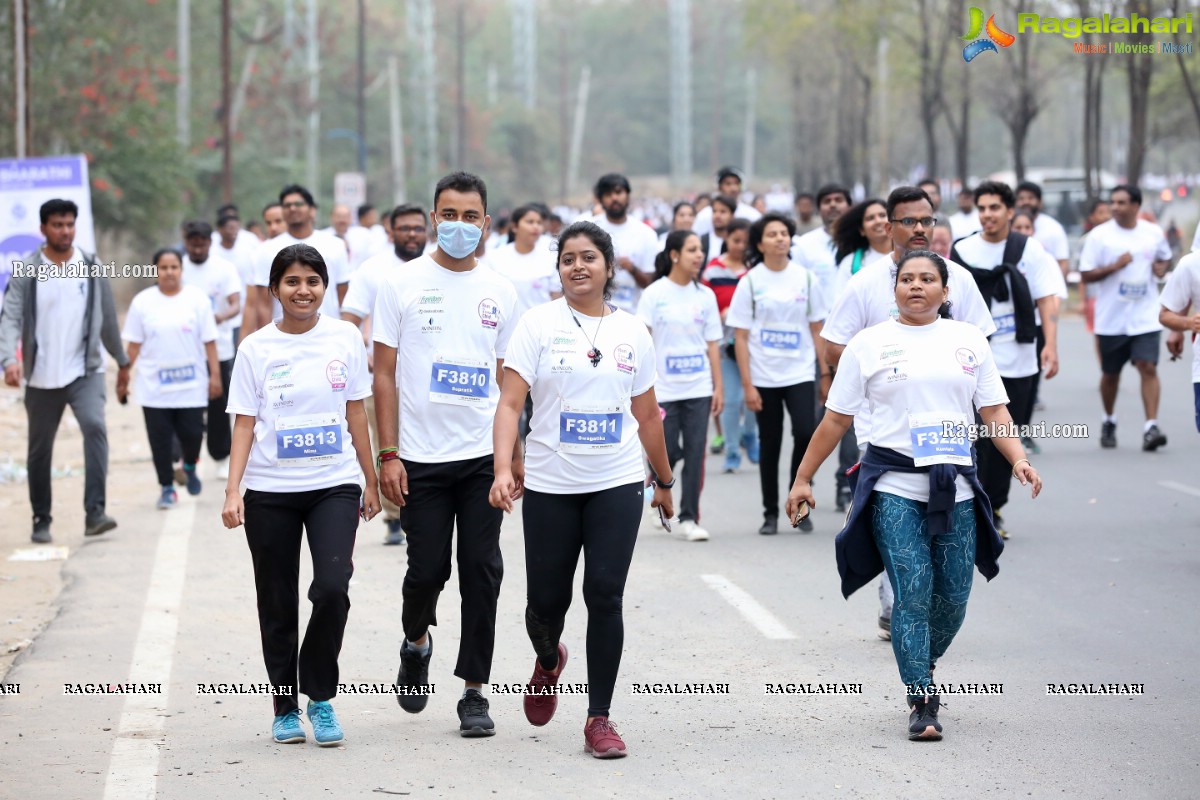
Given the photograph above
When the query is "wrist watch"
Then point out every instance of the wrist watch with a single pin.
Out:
(664, 484)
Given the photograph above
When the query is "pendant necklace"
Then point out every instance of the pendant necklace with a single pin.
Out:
(594, 354)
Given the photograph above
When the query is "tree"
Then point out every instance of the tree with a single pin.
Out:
(1140, 70)
(1021, 101)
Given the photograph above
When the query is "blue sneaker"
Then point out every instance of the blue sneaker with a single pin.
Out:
(732, 464)
(751, 446)
(193, 480)
(287, 728)
(326, 730)
(168, 498)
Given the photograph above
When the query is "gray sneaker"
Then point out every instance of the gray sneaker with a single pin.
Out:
(41, 531)
(99, 523)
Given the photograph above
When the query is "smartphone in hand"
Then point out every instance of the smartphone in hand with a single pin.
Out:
(801, 513)
(664, 519)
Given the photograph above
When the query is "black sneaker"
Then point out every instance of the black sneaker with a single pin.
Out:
(1153, 439)
(843, 499)
(806, 525)
(413, 677)
(885, 629)
(923, 725)
(1108, 434)
(98, 523)
(473, 719)
(770, 525)
(1030, 446)
(41, 531)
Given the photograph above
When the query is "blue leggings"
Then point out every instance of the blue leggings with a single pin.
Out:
(931, 580)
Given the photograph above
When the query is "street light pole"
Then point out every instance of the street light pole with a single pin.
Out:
(226, 108)
(362, 71)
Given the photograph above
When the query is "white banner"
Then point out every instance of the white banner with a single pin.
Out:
(26, 183)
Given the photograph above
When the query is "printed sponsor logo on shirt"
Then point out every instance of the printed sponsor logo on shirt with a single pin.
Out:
(489, 313)
(562, 367)
(279, 371)
(337, 373)
(967, 359)
(896, 375)
(563, 340)
(626, 361)
(431, 299)
(894, 352)
(430, 327)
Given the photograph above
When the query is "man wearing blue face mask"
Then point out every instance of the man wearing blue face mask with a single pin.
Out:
(453, 320)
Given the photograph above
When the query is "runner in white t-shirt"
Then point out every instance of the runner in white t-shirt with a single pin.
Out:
(449, 319)
(529, 266)
(1123, 258)
(919, 512)
(816, 250)
(171, 338)
(729, 184)
(1046, 229)
(1018, 363)
(776, 312)
(301, 449)
(860, 237)
(408, 226)
(239, 247)
(965, 221)
(300, 211)
(683, 217)
(685, 324)
(870, 298)
(1181, 297)
(635, 242)
(591, 369)
(219, 281)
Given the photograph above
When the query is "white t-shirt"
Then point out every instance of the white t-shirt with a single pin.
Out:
(583, 436)
(870, 298)
(914, 377)
(217, 279)
(777, 309)
(1045, 279)
(1183, 290)
(637, 242)
(61, 336)
(364, 243)
(296, 386)
(331, 248)
(964, 223)
(682, 321)
(1196, 239)
(363, 290)
(816, 251)
(870, 256)
(448, 328)
(172, 367)
(1049, 232)
(244, 256)
(534, 275)
(703, 221)
(1126, 300)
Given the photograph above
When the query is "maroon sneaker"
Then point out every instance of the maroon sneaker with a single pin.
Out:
(540, 700)
(602, 740)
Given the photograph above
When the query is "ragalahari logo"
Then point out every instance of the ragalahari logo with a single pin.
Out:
(976, 43)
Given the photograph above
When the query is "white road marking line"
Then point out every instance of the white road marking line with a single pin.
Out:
(133, 766)
(754, 612)
(1180, 487)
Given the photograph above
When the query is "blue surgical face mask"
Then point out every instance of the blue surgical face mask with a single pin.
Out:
(458, 239)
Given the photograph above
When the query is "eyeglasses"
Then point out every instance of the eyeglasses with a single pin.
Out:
(295, 204)
(409, 229)
(912, 222)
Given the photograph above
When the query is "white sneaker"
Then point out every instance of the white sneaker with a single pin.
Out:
(689, 531)
(653, 519)
(223, 468)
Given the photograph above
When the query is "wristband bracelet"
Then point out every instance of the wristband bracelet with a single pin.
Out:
(665, 484)
(388, 454)
(1018, 461)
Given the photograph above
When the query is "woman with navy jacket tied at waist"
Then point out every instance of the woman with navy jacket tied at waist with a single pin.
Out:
(918, 509)
(300, 445)
(591, 369)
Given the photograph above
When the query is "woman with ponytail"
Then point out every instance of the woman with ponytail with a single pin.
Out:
(685, 324)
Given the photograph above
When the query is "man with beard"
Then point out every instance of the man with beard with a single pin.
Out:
(635, 243)
(815, 250)
(870, 298)
(407, 224)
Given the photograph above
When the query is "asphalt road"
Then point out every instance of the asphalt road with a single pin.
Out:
(1098, 585)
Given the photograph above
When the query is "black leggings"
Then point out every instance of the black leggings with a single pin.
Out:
(801, 407)
(163, 427)
(557, 526)
(275, 523)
